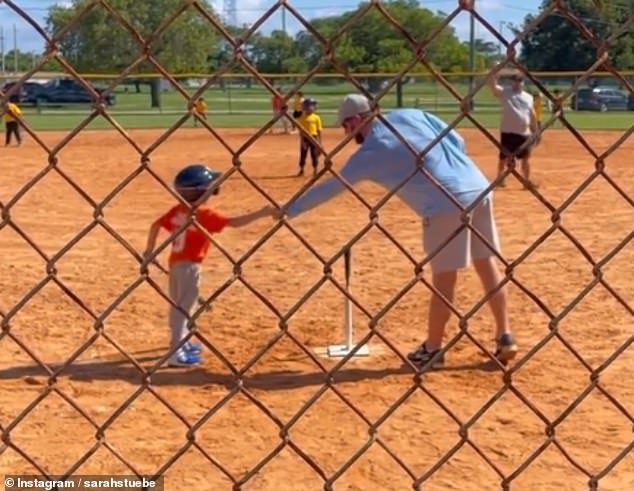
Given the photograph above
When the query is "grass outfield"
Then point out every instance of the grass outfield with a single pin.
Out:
(258, 98)
(242, 107)
(65, 122)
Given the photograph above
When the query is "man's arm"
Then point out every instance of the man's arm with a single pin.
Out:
(152, 236)
(353, 172)
(532, 114)
(496, 88)
(533, 121)
(248, 218)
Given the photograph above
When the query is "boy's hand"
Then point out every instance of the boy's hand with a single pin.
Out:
(145, 261)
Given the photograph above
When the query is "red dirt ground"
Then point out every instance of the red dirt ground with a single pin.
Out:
(284, 380)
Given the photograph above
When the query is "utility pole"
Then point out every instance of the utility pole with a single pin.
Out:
(230, 11)
(15, 50)
(501, 31)
(472, 53)
(284, 18)
(2, 48)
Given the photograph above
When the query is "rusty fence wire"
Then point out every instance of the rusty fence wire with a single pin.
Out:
(418, 48)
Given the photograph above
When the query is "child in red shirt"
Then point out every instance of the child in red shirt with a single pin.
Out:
(279, 107)
(189, 249)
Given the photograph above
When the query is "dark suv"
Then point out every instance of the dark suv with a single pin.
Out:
(599, 99)
(24, 91)
(59, 91)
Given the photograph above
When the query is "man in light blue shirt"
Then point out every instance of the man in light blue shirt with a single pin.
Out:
(386, 161)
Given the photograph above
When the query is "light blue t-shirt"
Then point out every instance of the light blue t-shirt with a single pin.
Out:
(384, 160)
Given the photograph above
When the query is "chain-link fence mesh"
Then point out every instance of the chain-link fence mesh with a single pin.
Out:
(461, 428)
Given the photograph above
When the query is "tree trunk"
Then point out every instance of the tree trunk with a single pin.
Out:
(155, 92)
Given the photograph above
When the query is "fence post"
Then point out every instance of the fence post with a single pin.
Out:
(399, 93)
(229, 96)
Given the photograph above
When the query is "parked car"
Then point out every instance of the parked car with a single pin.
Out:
(630, 102)
(60, 91)
(26, 89)
(599, 99)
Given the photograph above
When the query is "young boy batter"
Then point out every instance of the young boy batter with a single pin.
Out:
(189, 249)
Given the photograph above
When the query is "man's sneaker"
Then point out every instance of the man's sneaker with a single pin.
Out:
(424, 358)
(506, 348)
(184, 359)
(194, 348)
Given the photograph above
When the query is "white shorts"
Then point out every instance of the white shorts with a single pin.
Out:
(464, 247)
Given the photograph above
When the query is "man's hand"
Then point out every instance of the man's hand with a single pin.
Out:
(493, 81)
(273, 212)
(496, 66)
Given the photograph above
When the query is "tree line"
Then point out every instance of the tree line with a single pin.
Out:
(100, 44)
(558, 45)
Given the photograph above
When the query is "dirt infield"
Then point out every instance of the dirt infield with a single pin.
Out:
(148, 434)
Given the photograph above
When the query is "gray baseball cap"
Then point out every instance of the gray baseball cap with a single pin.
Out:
(352, 105)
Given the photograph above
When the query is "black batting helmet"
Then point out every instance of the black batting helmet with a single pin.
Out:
(194, 180)
(309, 103)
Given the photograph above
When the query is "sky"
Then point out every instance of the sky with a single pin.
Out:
(496, 12)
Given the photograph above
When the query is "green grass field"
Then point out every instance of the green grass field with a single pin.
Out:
(251, 107)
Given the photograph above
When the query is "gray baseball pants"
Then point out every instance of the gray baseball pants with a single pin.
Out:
(184, 289)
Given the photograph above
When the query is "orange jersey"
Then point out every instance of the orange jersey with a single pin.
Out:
(192, 245)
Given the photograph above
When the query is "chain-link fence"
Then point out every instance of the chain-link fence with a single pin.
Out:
(440, 442)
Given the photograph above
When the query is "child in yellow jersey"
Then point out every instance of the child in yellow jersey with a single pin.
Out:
(201, 109)
(311, 122)
(11, 123)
